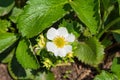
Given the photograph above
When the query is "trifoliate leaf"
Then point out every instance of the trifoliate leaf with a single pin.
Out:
(90, 52)
(24, 55)
(6, 39)
(39, 15)
(88, 13)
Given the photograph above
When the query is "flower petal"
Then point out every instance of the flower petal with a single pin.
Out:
(70, 38)
(51, 47)
(62, 31)
(60, 52)
(68, 48)
(52, 33)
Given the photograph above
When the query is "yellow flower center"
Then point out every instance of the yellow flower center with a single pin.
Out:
(60, 41)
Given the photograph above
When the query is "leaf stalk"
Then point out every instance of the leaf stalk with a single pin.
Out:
(108, 26)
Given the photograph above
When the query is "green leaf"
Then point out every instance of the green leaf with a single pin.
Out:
(24, 55)
(91, 52)
(30, 74)
(8, 57)
(106, 42)
(15, 13)
(16, 70)
(45, 76)
(117, 37)
(39, 15)
(106, 7)
(4, 24)
(88, 13)
(6, 6)
(119, 5)
(6, 39)
(105, 76)
(116, 66)
(116, 31)
(107, 3)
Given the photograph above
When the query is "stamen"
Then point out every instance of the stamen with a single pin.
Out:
(60, 41)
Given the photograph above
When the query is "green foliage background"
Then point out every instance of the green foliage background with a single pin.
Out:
(21, 22)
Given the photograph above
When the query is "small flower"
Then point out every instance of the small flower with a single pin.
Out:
(59, 43)
(47, 63)
(70, 55)
(42, 41)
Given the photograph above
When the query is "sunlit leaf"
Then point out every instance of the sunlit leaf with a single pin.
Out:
(116, 66)
(24, 55)
(106, 76)
(88, 13)
(90, 52)
(4, 24)
(6, 6)
(39, 15)
(6, 39)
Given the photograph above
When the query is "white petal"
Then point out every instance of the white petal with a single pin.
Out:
(68, 48)
(70, 38)
(52, 33)
(62, 31)
(51, 47)
(56, 53)
(60, 52)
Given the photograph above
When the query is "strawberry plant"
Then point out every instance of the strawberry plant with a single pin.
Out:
(37, 35)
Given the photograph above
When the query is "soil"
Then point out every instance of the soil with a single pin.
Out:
(74, 71)
(4, 75)
(80, 71)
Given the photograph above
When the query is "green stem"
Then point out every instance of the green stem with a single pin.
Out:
(108, 26)
(63, 64)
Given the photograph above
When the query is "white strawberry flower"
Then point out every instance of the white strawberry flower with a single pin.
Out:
(60, 39)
